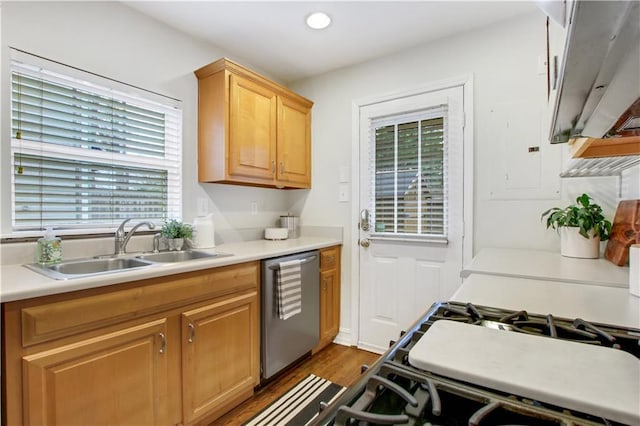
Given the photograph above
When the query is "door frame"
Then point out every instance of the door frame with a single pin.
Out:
(464, 81)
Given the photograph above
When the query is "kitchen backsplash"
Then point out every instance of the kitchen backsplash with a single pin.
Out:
(20, 253)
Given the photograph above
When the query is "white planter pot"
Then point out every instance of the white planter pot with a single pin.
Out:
(572, 244)
(175, 243)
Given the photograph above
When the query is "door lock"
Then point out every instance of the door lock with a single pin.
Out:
(364, 219)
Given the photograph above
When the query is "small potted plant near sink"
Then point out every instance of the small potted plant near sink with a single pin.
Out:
(175, 232)
(581, 227)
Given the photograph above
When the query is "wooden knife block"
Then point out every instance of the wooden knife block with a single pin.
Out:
(625, 231)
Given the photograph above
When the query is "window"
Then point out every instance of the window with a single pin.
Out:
(87, 151)
(408, 175)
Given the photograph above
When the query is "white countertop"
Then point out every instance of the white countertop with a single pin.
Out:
(546, 265)
(18, 282)
(602, 304)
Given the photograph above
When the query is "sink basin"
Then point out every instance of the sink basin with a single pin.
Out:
(88, 267)
(178, 256)
(106, 264)
(97, 265)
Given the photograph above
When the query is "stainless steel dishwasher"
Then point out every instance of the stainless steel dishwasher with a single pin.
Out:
(285, 341)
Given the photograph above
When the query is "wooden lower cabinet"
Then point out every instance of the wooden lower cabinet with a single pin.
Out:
(330, 304)
(118, 378)
(220, 345)
(180, 349)
(329, 296)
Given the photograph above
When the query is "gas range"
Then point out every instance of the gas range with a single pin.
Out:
(395, 391)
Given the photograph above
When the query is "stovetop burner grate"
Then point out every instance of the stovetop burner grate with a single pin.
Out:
(577, 330)
(400, 395)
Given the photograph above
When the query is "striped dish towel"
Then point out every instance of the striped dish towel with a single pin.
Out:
(289, 289)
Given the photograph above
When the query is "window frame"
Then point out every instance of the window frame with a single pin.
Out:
(424, 114)
(70, 76)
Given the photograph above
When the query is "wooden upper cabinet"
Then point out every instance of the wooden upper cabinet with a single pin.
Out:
(294, 157)
(251, 131)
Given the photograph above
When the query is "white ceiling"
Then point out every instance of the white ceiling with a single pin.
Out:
(274, 37)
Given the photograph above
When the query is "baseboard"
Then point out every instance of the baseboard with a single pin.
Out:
(344, 337)
(372, 348)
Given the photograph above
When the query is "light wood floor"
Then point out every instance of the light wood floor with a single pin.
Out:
(337, 363)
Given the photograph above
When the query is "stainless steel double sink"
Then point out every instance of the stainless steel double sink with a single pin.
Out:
(100, 265)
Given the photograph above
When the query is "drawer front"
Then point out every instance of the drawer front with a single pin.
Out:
(329, 257)
(48, 321)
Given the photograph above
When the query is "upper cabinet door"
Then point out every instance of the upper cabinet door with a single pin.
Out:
(294, 143)
(252, 132)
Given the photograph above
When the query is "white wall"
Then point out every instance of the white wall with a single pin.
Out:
(504, 62)
(630, 184)
(112, 40)
(115, 41)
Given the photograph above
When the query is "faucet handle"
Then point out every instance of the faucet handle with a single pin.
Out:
(156, 243)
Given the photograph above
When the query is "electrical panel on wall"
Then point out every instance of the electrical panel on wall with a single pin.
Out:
(524, 165)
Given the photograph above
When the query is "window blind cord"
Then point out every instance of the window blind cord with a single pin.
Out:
(41, 171)
(112, 207)
(20, 169)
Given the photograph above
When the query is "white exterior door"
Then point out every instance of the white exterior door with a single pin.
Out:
(411, 204)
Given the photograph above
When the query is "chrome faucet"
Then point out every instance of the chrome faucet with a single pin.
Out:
(122, 238)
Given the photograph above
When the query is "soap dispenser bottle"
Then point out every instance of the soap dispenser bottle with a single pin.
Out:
(49, 249)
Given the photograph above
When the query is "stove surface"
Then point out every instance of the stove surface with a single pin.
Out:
(598, 380)
(393, 391)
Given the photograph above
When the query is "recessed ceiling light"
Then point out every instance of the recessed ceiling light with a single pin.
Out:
(318, 20)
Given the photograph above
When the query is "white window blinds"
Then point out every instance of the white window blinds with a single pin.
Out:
(89, 152)
(408, 175)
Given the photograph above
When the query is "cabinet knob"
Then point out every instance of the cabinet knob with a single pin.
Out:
(273, 166)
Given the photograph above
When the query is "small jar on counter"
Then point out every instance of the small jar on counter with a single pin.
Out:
(49, 249)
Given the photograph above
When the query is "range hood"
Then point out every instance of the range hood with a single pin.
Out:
(599, 83)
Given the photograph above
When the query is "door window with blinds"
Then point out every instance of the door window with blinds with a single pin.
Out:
(87, 151)
(408, 175)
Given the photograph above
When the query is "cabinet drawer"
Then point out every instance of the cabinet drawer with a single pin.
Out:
(54, 317)
(329, 257)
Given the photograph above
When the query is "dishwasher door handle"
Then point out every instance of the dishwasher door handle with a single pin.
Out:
(302, 262)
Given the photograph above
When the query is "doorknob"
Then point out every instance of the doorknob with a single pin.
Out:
(364, 242)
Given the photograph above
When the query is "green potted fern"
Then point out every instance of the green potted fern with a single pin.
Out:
(175, 232)
(581, 227)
